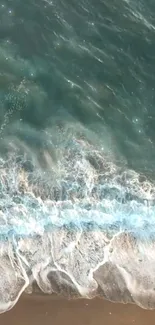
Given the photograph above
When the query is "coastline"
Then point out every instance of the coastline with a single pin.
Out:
(43, 309)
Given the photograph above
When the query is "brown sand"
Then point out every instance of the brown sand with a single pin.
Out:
(39, 310)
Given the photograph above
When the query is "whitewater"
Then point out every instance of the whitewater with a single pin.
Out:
(83, 228)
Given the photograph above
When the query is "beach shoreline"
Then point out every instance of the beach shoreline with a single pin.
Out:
(44, 310)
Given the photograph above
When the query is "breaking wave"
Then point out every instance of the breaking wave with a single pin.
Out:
(82, 228)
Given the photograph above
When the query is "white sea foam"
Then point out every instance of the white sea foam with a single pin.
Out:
(82, 228)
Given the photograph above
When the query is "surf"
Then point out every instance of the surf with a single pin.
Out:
(81, 227)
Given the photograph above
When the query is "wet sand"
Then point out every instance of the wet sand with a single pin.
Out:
(39, 310)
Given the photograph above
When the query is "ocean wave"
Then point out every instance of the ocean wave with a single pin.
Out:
(83, 228)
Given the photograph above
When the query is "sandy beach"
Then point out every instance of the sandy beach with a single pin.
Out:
(43, 310)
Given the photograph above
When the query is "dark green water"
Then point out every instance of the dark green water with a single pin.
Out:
(87, 61)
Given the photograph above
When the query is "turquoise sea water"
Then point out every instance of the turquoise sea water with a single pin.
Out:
(89, 61)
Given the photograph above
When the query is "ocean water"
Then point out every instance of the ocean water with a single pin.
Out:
(77, 149)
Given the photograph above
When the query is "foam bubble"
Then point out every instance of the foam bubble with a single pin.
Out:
(82, 230)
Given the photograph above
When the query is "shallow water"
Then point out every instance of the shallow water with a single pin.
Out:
(77, 149)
